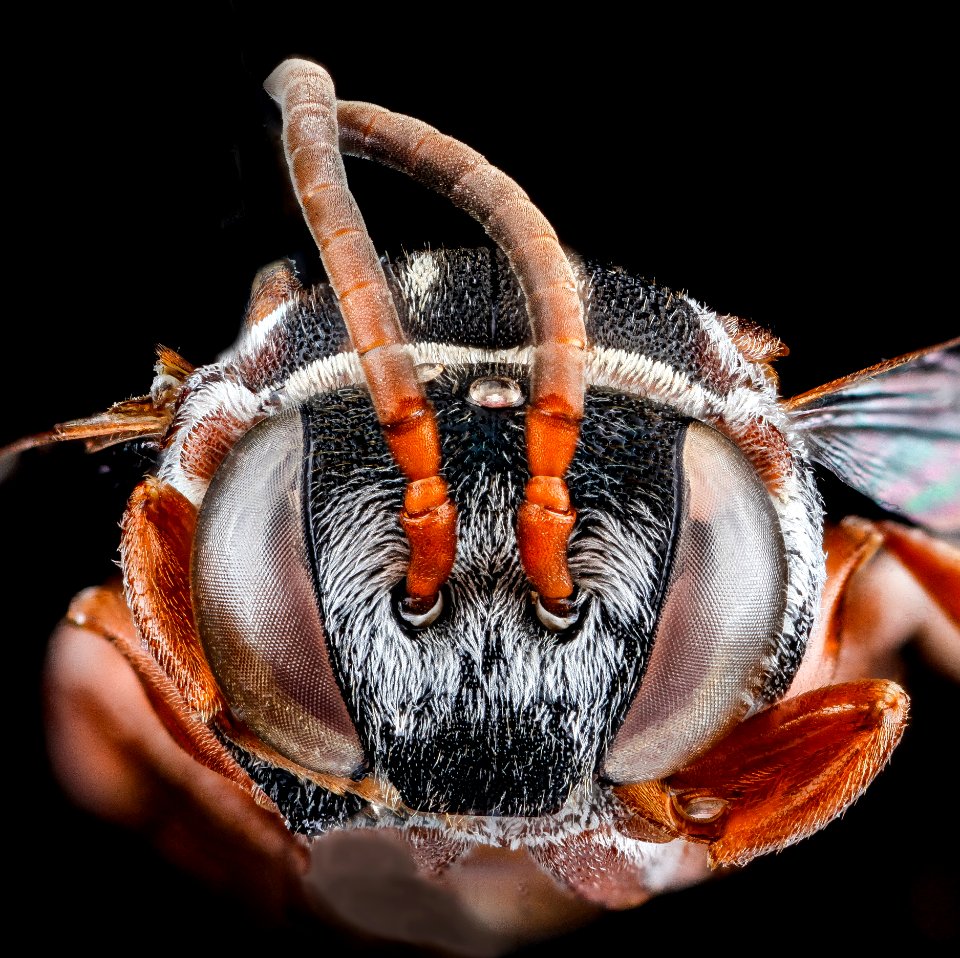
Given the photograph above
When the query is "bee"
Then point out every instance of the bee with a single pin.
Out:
(467, 753)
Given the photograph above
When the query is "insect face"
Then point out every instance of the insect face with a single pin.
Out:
(521, 552)
(487, 710)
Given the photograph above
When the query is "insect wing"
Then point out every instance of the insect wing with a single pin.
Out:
(892, 432)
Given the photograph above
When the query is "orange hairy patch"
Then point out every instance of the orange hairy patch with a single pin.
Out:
(781, 775)
(103, 611)
(652, 817)
(157, 538)
(272, 287)
(935, 564)
(171, 363)
(755, 344)
(208, 442)
(766, 448)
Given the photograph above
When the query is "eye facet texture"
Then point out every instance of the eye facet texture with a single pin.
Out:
(723, 605)
(256, 604)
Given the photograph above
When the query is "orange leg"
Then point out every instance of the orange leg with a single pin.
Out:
(908, 591)
(116, 758)
(789, 770)
(779, 776)
(887, 585)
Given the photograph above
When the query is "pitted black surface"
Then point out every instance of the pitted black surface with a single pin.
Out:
(307, 808)
(471, 297)
(628, 313)
(477, 301)
(312, 329)
(520, 767)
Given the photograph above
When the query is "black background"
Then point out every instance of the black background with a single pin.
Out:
(797, 174)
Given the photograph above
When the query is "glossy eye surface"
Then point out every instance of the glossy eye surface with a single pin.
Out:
(723, 604)
(256, 604)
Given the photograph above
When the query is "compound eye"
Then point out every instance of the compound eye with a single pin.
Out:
(721, 613)
(256, 604)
